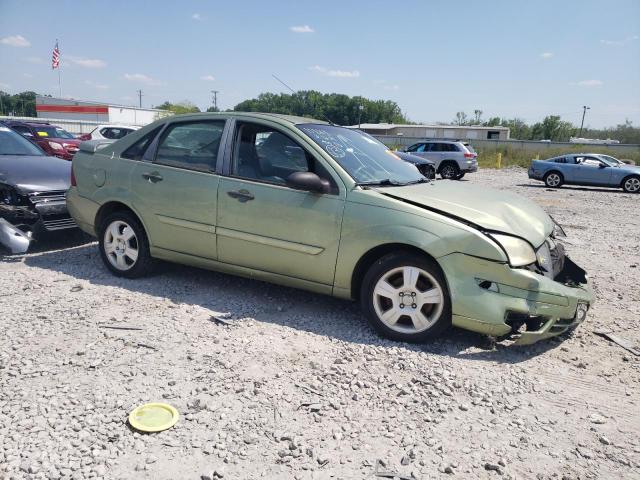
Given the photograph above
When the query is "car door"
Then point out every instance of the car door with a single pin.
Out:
(434, 152)
(593, 171)
(266, 225)
(175, 188)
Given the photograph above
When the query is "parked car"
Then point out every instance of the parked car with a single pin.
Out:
(53, 140)
(453, 159)
(32, 192)
(585, 169)
(424, 166)
(108, 132)
(331, 210)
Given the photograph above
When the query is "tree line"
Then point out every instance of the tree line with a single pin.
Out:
(345, 110)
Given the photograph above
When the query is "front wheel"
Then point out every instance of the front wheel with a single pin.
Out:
(405, 298)
(124, 247)
(460, 175)
(631, 185)
(449, 171)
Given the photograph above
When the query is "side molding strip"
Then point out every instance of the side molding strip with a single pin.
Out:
(271, 242)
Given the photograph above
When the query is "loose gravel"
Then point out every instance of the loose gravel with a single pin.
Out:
(292, 385)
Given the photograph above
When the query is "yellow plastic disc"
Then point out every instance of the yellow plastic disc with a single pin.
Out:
(153, 417)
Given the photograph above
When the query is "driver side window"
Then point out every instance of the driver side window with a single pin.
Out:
(191, 145)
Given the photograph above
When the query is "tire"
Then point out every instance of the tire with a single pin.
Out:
(449, 170)
(460, 175)
(401, 275)
(631, 184)
(553, 179)
(124, 246)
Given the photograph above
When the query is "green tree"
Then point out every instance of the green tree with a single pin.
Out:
(178, 108)
(552, 128)
(20, 105)
(337, 108)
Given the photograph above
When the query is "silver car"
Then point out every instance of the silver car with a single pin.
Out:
(453, 159)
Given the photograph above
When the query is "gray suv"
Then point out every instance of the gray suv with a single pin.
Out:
(452, 158)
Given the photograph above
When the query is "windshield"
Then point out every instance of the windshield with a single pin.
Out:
(363, 157)
(12, 143)
(610, 159)
(53, 132)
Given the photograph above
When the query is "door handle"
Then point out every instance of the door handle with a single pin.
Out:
(241, 195)
(152, 177)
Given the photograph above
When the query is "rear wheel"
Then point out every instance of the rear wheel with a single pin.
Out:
(124, 247)
(553, 179)
(449, 171)
(405, 297)
(631, 184)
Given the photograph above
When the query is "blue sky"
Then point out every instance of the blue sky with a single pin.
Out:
(507, 58)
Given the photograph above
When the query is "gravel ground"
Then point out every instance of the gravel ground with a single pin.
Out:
(297, 385)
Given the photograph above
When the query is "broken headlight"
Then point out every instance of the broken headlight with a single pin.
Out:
(8, 196)
(519, 252)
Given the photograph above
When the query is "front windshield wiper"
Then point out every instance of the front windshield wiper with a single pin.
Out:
(380, 183)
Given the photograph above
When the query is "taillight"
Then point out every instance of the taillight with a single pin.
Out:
(73, 178)
(470, 155)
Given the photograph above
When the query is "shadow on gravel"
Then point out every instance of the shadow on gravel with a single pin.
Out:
(53, 241)
(288, 307)
(570, 188)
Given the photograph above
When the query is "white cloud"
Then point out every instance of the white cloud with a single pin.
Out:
(15, 41)
(99, 86)
(208, 78)
(335, 73)
(546, 55)
(590, 83)
(141, 78)
(619, 43)
(302, 29)
(197, 17)
(394, 88)
(36, 60)
(85, 62)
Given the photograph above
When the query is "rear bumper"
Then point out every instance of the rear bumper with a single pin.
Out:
(470, 167)
(82, 210)
(535, 174)
(512, 301)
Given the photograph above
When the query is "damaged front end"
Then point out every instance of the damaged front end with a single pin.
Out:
(24, 216)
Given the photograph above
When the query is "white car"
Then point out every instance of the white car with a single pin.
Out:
(109, 132)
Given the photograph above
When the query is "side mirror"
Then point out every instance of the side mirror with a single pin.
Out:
(308, 181)
(602, 165)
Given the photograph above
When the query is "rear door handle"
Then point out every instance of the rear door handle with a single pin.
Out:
(241, 195)
(152, 177)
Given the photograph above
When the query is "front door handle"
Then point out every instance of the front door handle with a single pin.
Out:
(152, 177)
(241, 195)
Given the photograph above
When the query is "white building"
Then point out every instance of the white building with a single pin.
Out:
(69, 109)
(461, 132)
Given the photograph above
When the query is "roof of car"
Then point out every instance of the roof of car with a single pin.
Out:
(266, 116)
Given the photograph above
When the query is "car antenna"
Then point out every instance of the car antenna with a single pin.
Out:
(305, 102)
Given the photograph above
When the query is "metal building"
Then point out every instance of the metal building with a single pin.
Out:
(436, 131)
(69, 109)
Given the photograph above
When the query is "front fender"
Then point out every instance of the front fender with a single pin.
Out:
(366, 227)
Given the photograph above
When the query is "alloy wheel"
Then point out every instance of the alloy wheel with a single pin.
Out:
(408, 299)
(632, 185)
(553, 180)
(121, 245)
(448, 171)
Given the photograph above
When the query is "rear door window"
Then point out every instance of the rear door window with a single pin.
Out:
(191, 145)
(136, 151)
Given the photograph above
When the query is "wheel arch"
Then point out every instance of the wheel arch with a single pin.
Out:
(447, 161)
(113, 206)
(554, 170)
(376, 253)
(627, 177)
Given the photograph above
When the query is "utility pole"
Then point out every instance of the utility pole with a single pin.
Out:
(214, 99)
(139, 97)
(584, 112)
(360, 108)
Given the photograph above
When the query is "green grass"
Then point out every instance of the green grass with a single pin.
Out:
(522, 158)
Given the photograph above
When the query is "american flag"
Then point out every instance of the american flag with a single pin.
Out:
(55, 58)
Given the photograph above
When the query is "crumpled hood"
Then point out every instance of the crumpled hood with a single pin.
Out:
(37, 173)
(490, 209)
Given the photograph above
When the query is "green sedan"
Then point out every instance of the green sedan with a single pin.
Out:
(311, 205)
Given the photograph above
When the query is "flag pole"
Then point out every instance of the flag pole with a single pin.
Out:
(59, 81)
